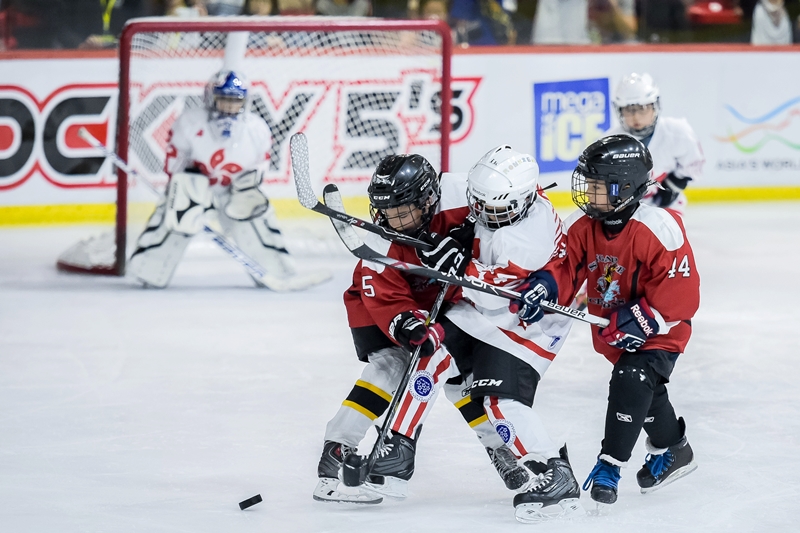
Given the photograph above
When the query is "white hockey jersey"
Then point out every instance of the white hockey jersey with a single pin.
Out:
(192, 144)
(505, 257)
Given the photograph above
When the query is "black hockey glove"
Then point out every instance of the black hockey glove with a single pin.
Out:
(409, 330)
(450, 254)
(537, 287)
(631, 324)
(670, 189)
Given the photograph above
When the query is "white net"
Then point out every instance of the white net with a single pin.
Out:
(359, 93)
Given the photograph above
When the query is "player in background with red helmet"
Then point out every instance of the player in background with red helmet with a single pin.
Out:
(642, 276)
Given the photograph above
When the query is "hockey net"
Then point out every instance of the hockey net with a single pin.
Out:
(360, 89)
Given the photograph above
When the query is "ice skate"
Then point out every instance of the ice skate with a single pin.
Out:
(393, 468)
(329, 488)
(665, 465)
(603, 481)
(515, 476)
(555, 493)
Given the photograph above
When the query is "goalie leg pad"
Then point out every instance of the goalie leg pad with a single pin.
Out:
(188, 198)
(158, 251)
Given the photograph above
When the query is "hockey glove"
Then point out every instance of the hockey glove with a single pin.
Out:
(447, 255)
(537, 287)
(409, 330)
(630, 326)
(669, 190)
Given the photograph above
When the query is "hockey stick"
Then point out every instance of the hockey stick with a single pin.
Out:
(357, 247)
(258, 272)
(298, 146)
(355, 468)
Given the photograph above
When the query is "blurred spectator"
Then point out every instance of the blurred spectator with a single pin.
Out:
(561, 22)
(223, 7)
(663, 15)
(613, 21)
(344, 8)
(394, 9)
(771, 23)
(181, 8)
(433, 10)
(280, 7)
(481, 22)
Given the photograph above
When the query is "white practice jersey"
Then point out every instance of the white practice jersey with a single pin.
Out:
(193, 144)
(505, 257)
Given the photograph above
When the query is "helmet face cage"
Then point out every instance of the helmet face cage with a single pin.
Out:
(227, 101)
(643, 131)
(404, 193)
(498, 216)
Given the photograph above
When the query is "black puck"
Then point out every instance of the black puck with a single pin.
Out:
(249, 502)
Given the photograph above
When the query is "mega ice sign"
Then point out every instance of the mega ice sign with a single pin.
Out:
(568, 116)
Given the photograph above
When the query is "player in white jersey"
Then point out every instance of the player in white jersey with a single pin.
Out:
(215, 159)
(487, 346)
(677, 155)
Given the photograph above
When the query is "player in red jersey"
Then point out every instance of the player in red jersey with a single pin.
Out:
(386, 311)
(642, 276)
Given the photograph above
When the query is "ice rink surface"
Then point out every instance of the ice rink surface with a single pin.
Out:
(130, 410)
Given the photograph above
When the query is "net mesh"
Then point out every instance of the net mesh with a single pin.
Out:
(357, 94)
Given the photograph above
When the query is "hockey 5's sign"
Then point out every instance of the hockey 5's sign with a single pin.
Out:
(42, 135)
(351, 124)
(568, 116)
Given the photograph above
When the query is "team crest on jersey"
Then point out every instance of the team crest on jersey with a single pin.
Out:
(422, 386)
(607, 286)
(506, 431)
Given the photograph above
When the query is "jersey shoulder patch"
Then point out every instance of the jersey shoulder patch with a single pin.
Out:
(454, 190)
(662, 224)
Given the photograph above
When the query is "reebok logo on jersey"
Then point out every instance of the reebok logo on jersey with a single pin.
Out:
(625, 156)
(640, 318)
(622, 417)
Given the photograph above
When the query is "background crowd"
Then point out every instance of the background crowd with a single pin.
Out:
(96, 23)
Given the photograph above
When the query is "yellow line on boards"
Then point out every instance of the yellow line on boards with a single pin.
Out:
(288, 208)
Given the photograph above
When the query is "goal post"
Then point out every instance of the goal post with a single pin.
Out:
(360, 89)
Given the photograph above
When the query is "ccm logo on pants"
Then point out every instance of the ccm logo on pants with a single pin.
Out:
(487, 383)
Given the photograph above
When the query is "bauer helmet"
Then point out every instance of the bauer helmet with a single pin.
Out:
(637, 93)
(403, 193)
(227, 99)
(624, 166)
(501, 187)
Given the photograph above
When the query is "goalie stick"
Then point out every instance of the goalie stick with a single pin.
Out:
(274, 283)
(356, 468)
(298, 147)
(356, 245)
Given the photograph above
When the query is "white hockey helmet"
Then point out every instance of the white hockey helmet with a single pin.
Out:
(501, 187)
(227, 100)
(637, 90)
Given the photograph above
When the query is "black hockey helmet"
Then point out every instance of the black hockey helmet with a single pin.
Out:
(623, 164)
(399, 184)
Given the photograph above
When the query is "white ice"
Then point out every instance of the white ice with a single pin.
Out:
(130, 410)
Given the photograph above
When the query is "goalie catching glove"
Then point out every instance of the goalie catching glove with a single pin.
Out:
(537, 287)
(630, 326)
(451, 252)
(410, 331)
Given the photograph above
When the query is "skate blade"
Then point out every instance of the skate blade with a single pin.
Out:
(533, 513)
(679, 473)
(332, 491)
(391, 487)
(600, 509)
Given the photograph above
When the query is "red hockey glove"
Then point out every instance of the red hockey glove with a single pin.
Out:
(631, 324)
(409, 330)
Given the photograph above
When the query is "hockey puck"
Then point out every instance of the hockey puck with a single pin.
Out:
(249, 502)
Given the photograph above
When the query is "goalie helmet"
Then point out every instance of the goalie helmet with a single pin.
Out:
(501, 187)
(637, 92)
(612, 173)
(403, 193)
(227, 100)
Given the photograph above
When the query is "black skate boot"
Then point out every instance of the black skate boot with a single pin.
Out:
(603, 481)
(328, 488)
(662, 466)
(554, 494)
(514, 475)
(394, 467)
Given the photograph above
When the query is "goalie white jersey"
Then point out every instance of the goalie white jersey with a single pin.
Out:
(505, 257)
(193, 144)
